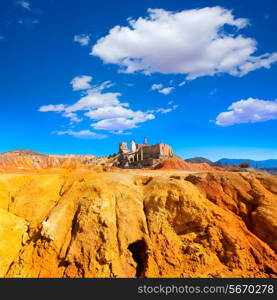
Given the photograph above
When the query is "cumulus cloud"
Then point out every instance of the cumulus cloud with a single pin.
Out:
(104, 85)
(83, 134)
(82, 39)
(72, 116)
(120, 124)
(196, 42)
(105, 109)
(156, 86)
(164, 110)
(81, 82)
(95, 100)
(161, 89)
(248, 111)
(166, 91)
(111, 112)
(118, 118)
(51, 107)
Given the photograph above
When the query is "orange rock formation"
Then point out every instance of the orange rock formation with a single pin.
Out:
(176, 163)
(138, 223)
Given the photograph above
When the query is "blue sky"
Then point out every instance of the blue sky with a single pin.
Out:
(81, 76)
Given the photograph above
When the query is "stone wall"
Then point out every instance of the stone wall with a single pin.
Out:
(165, 150)
(157, 151)
(151, 151)
(123, 148)
(142, 155)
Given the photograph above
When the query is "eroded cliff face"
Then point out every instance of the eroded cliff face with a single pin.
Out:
(16, 160)
(138, 224)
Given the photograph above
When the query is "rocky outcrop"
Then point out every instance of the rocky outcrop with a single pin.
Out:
(138, 224)
(176, 163)
(28, 159)
(12, 237)
(22, 160)
(251, 196)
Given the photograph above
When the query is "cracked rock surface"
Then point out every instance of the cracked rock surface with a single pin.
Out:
(83, 223)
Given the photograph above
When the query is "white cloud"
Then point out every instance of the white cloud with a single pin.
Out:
(95, 100)
(193, 42)
(161, 89)
(164, 110)
(82, 39)
(104, 85)
(156, 86)
(24, 4)
(118, 118)
(248, 111)
(83, 134)
(182, 83)
(121, 132)
(106, 108)
(51, 107)
(81, 82)
(111, 112)
(72, 116)
(121, 123)
(166, 91)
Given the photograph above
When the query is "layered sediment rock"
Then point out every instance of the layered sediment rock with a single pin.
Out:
(28, 159)
(176, 163)
(138, 224)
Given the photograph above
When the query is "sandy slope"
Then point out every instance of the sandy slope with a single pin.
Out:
(123, 223)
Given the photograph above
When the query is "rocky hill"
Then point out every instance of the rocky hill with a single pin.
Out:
(176, 163)
(269, 165)
(28, 160)
(262, 164)
(23, 152)
(23, 159)
(137, 223)
(199, 160)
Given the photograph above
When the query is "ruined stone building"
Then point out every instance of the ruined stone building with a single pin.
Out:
(142, 155)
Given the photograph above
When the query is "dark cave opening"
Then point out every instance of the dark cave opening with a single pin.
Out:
(139, 253)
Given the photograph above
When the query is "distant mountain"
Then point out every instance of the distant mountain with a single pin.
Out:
(269, 165)
(272, 170)
(261, 164)
(199, 160)
(23, 152)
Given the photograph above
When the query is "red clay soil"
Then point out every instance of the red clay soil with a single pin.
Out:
(176, 163)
